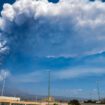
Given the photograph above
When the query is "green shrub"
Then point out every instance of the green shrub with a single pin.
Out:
(55, 104)
(73, 102)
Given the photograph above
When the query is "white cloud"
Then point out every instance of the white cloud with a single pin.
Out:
(3, 46)
(69, 28)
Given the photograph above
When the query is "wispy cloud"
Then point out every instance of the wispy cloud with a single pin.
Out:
(79, 72)
(69, 92)
(72, 73)
(4, 74)
(33, 77)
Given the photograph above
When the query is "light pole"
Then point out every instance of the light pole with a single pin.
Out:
(36, 98)
(49, 79)
(98, 90)
(2, 91)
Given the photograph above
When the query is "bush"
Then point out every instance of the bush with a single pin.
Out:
(90, 101)
(55, 104)
(103, 101)
(73, 102)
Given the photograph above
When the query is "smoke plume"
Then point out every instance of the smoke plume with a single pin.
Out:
(38, 28)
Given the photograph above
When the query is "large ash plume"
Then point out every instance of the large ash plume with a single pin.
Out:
(40, 28)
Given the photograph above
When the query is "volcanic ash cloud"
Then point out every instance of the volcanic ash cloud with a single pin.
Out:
(38, 28)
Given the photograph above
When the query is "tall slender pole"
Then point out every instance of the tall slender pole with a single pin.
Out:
(2, 91)
(49, 73)
(98, 90)
(36, 98)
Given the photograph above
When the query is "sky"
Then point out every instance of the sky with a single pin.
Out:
(61, 36)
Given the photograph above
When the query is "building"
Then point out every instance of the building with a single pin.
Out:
(15, 101)
(10, 98)
(50, 99)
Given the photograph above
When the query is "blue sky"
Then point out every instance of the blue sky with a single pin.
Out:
(68, 41)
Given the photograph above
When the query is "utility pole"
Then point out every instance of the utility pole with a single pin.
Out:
(36, 98)
(4, 79)
(98, 90)
(2, 91)
(49, 78)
